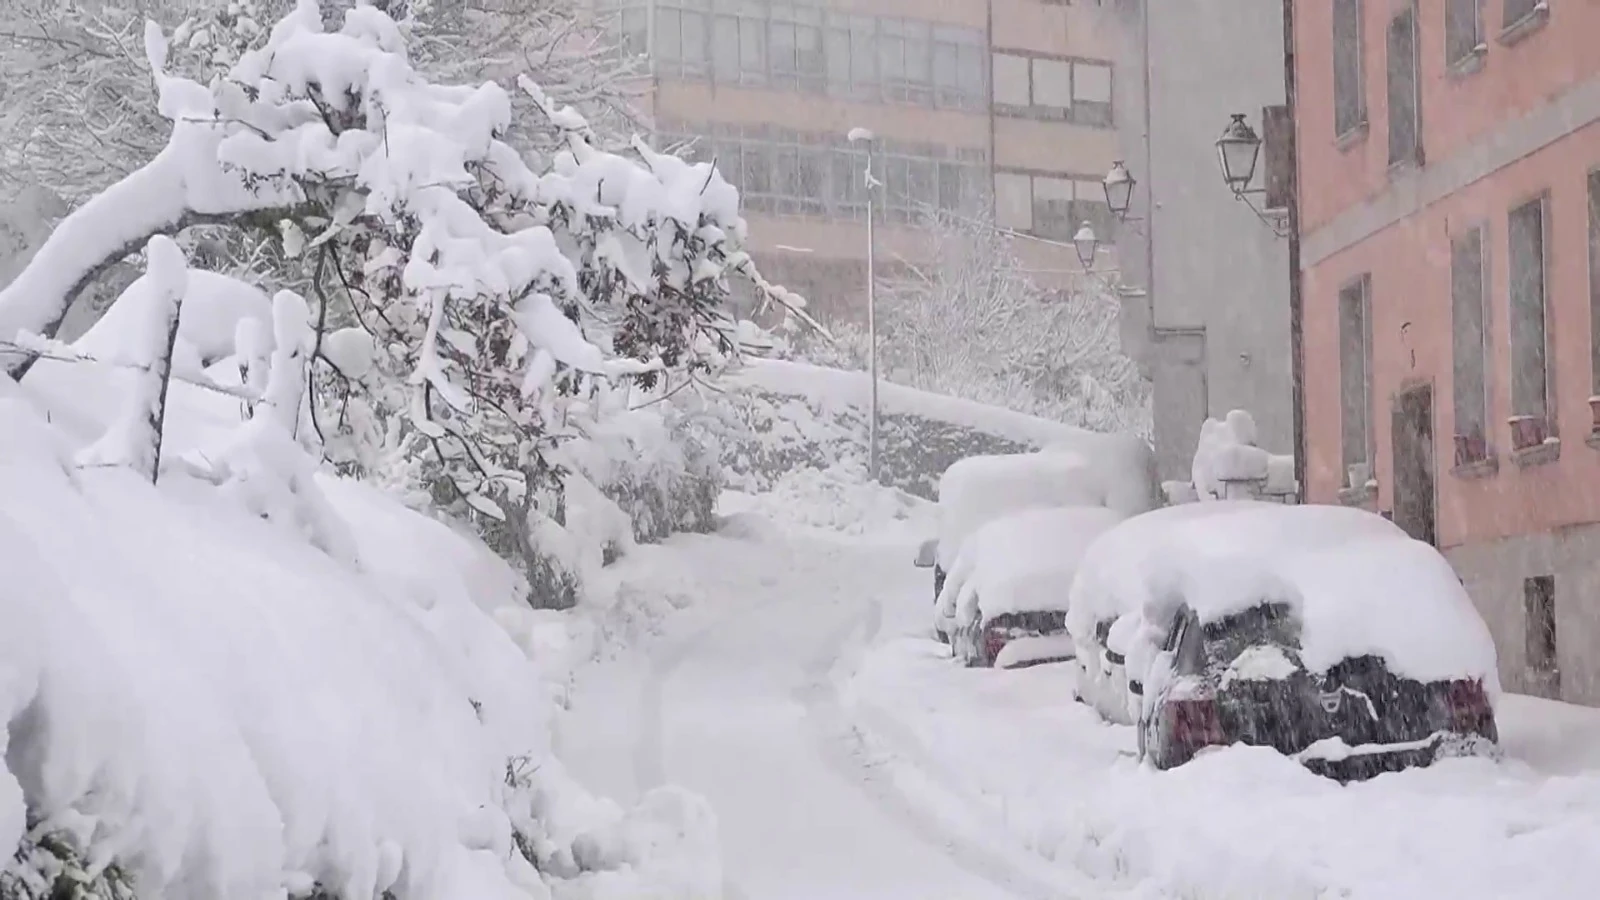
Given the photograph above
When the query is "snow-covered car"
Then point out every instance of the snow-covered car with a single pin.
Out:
(1324, 632)
(980, 489)
(1103, 614)
(1005, 600)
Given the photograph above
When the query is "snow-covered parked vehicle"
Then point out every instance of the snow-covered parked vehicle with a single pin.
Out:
(1005, 601)
(1103, 615)
(1115, 473)
(1324, 632)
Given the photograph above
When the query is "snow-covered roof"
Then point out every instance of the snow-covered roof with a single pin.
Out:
(1023, 562)
(979, 489)
(1355, 581)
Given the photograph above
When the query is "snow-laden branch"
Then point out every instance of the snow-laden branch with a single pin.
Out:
(134, 437)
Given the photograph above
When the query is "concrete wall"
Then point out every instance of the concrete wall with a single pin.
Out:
(1493, 572)
(1209, 265)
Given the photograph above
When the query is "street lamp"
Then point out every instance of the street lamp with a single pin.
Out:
(1237, 151)
(1118, 185)
(1087, 245)
(867, 138)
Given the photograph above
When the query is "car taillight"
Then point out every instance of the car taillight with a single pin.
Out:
(1195, 724)
(1470, 711)
(994, 640)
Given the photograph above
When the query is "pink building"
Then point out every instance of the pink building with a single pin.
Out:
(1449, 154)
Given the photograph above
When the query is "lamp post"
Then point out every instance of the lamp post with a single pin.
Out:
(867, 138)
(1118, 186)
(1238, 150)
(1087, 245)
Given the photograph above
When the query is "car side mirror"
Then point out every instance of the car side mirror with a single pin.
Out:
(927, 554)
(1135, 688)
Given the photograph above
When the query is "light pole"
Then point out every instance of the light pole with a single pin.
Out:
(866, 137)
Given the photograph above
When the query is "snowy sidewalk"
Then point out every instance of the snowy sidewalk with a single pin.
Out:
(1241, 822)
(738, 703)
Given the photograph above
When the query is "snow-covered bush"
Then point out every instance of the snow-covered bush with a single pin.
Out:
(498, 292)
(216, 708)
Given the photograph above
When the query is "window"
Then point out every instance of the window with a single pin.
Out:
(1052, 83)
(1013, 201)
(918, 80)
(1046, 87)
(1530, 350)
(1405, 119)
(1463, 30)
(781, 50)
(635, 31)
(1594, 283)
(725, 48)
(1011, 80)
(1052, 207)
(788, 173)
(1355, 380)
(1349, 85)
(1517, 10)
(1091, 94)
(1539, 620)
(752, 51)
(1469, 347)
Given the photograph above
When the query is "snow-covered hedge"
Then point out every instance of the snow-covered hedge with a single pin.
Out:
(782, 415)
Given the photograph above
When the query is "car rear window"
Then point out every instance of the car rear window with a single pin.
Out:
(1269, 623)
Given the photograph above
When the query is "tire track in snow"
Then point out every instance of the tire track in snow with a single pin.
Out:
(844, 750)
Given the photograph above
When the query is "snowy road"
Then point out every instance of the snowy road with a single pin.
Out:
(743, 710)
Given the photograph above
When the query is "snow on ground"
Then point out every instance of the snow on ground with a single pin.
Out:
(736, 700)
(1239, 822)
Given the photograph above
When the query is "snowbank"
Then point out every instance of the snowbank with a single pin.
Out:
(1022, 562)
(1014, 751)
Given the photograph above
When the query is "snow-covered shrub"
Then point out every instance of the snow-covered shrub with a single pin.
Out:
(497, 291)
(1046, 352)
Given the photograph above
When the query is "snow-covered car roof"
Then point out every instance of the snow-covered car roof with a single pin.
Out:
(980, 489)
(1111, 581)
(1023, 562)
(1356, 582)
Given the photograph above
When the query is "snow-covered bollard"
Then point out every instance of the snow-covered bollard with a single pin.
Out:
(134, 438)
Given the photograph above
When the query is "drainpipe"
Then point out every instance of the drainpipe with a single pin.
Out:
(1297, 359)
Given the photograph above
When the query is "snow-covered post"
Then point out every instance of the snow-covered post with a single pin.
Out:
(134, 439)
(286, 379)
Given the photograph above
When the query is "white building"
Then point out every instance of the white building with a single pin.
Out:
(1206, 312)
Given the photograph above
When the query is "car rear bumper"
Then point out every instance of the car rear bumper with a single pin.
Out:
(1334, 759)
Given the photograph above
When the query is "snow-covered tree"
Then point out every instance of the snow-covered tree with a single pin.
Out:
(973, 322)
(496, 289)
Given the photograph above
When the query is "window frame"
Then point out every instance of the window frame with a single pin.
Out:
(1541, 199)
(1357, 57)
(1484, 304)
(1363, 284)
(1412, 155)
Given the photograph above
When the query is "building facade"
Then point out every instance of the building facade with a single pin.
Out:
(1450, 205)
(984, 108)
(1206, 280)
